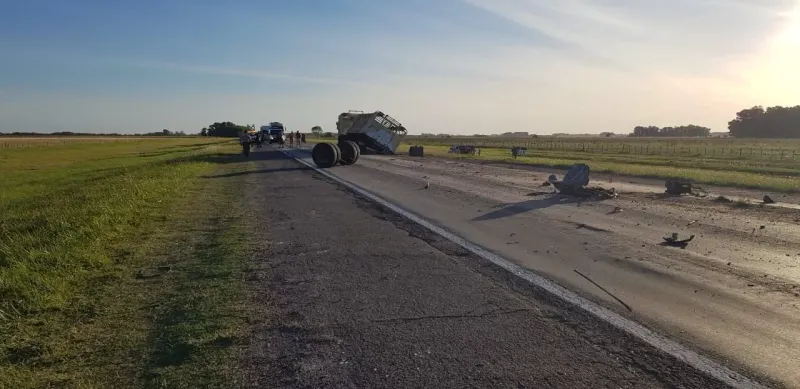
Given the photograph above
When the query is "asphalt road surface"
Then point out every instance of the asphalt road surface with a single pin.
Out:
(355, 296)
(732, 294)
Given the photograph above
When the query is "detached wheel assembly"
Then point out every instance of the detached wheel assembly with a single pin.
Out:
(326, 155)
(349, 152)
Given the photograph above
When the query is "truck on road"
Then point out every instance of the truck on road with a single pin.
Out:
(273, 132)
(374, 132)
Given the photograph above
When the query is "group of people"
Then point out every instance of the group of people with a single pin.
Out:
(295, 139)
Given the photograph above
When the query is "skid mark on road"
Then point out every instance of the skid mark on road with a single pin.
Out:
(680, 352)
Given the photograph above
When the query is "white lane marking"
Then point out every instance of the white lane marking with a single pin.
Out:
(654, 339)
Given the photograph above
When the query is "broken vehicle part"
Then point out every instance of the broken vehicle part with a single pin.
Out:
(326, 155)
(416, 151)
(678, 187)
(675, 242)
(462, 149)
(575, 181)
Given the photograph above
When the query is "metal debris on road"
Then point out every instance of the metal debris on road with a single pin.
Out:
(604, 290)
(575, 181)
(675, 242)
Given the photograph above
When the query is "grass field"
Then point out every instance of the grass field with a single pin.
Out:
(119, 264)
(772, 164)
(20, 142)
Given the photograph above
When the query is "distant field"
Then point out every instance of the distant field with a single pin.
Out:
(756, 163)
(118, 262)
(716, 148)
(13, 142)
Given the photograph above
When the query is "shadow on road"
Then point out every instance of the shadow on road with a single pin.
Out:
(512, 209)
(264, 154)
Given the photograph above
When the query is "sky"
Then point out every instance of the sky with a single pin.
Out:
(438, 66)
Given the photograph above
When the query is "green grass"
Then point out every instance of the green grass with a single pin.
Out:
(119, 265)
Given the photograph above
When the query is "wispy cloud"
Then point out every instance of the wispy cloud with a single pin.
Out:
(687, 36)
(236, 72)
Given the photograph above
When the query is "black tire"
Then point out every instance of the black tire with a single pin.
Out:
(350, 152)
(325, 155)
(338, 153)
(357, 148)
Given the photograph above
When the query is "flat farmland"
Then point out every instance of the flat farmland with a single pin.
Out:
(19, 142)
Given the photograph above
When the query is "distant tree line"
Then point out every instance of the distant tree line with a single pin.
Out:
(773, 122)
(70, 133)
(61, 133)
(165, 132)
(224, 129)
(690, 130)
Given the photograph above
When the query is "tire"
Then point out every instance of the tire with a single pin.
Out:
(338, 153)
(350, 152)
(325, 155)
(357, 148)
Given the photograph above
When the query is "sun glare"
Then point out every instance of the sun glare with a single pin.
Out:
(776, 78)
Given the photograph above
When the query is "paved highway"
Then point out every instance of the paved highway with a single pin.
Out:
(354, 295)
(744, 314)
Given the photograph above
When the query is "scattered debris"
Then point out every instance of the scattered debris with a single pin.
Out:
(427, 185)
(762, 227)
(575, 181)
(416, 151)
(615, 210)
(691, 222)
(678, 187)
(463, 149)
(768, 200)
(537, 193)
(604, 290)
(723, 199)
(675, 242)
(591, 228)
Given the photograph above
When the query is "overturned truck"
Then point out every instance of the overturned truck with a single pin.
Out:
(360, 133)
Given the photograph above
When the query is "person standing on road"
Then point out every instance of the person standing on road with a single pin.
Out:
(244, 139)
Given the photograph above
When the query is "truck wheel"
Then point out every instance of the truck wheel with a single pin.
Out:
(325, 155)
(350, 152)
(357, 148)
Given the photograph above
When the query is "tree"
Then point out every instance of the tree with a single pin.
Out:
(204, 132)
(225, 129)
(690, 130)
(773, 122)
(327, 135)
(316, 130)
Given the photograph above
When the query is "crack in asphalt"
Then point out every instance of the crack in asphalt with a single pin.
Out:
(460, 316)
